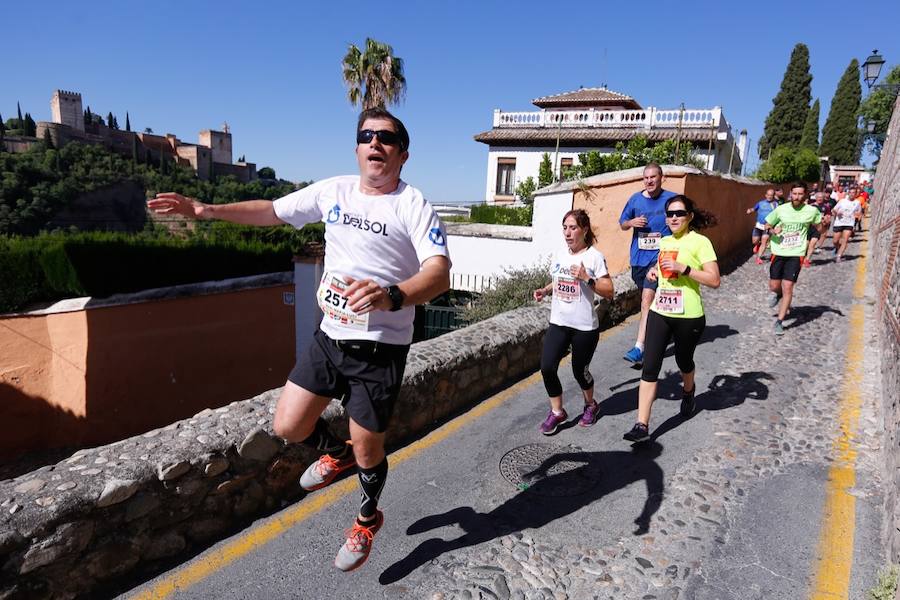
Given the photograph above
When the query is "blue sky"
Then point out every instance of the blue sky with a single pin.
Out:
(272, 70)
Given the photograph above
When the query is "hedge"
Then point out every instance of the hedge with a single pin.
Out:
(55, 266)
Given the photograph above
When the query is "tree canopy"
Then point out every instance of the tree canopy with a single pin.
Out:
(790, 164)
(374, 76)
(810, 138)
(841, 140)
(790, 107)
(879, 107)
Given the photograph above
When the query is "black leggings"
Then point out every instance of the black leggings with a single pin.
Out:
(660, 330)
(556, 342)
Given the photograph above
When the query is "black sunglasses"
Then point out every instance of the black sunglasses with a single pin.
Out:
(676, 213)
(386, 137)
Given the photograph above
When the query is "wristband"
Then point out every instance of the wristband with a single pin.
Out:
(591, 282)
(687, 270)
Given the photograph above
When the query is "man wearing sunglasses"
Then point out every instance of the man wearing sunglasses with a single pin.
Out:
(644, 214)
(385, 252)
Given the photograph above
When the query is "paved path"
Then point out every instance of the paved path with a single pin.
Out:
(736, 503)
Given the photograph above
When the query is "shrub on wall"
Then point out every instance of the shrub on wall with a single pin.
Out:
(790, 164)
(501, 215)
(513, 290)
(55, 266)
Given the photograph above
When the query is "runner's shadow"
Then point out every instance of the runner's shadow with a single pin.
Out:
(531, 509)
(625, 400)
(724, 391)
(801, 315)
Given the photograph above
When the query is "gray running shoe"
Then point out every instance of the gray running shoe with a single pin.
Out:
(356, 549)
(774, 300)
(779, 328)
(323, 471)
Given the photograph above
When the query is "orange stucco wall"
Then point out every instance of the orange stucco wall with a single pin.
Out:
(727, 199)
(101, 374)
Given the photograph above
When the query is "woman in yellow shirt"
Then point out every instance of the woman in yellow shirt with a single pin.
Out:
(686, 260)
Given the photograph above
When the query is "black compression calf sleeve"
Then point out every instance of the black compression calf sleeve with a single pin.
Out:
(323, 440)
(372, 482)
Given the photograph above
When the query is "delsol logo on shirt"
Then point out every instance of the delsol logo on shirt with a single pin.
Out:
(334, 214)
(437, 237)
(363, 224)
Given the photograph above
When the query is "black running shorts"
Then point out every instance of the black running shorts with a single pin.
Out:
(785, 267)
(840, 228)
(366, 376)
(639, 277)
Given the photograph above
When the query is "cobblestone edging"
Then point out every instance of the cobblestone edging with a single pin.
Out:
(125, 508)
(885, 227)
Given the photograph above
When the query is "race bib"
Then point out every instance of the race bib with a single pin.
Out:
(649, 241)
(333, 303)
(669, 302)
(567, 289)
(792, 240)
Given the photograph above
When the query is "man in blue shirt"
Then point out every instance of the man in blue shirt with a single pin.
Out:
(762, 209)
(645, 215)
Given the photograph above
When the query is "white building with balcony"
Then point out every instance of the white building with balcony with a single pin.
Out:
(588, 119)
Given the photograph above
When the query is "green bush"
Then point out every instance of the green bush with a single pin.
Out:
(788, 164)
(56, 266)
(501, 215)
(513, 290)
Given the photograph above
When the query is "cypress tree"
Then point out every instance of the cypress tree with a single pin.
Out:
(545, 171)
(841, 136)
(810, 137)
(88, 117)
(784, 125)
(29, 127)
(19, 111)
(127, 122)
(110, 120)
(48, 141)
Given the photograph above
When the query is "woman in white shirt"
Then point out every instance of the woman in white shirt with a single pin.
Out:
(579, 276)
(845, 213)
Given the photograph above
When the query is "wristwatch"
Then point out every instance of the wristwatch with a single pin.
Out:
(591, 281)
(396, 297)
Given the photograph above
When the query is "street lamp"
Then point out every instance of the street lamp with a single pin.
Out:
(872, 68)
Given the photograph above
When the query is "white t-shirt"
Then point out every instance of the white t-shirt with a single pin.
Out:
(843, 212)
(383, 238)
(573, 299)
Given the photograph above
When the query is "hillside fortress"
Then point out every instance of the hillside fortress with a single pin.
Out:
(210, 157)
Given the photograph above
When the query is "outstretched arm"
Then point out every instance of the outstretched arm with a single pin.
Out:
(248, 212)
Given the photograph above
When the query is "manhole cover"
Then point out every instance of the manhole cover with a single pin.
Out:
(551, 470)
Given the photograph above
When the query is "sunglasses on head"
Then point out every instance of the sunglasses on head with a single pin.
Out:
(676, 213)
(386, 137)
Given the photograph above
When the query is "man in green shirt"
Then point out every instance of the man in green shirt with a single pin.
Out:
(789, 224)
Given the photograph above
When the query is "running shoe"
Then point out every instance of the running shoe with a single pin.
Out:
(552, 422)
(779, 328)
(635, 356)
(774, 300)
(638, 433)
(755, 248)
(759, 261)
(590, 415)
(323, 471)
(688, 404)
(356, 549)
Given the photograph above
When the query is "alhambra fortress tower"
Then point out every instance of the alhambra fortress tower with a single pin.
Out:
(210, 157)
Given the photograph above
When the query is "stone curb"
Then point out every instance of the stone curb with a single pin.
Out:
(129, 507)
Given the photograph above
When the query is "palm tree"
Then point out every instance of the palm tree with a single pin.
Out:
(374, 78)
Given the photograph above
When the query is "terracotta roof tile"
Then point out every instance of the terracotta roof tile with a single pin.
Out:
(586, 97)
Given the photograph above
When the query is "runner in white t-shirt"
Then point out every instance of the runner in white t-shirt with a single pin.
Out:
(579, 276)
(385, 252)
(845, 213)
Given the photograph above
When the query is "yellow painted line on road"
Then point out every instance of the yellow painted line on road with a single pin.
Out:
(259, 535)
(835, 551)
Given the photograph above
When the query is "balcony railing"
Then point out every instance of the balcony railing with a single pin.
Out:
(648, 118)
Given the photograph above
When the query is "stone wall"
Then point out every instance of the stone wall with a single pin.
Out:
(129, 508)
(884, 230)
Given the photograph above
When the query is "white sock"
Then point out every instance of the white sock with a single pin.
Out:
(639, 346)
(557, 413)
